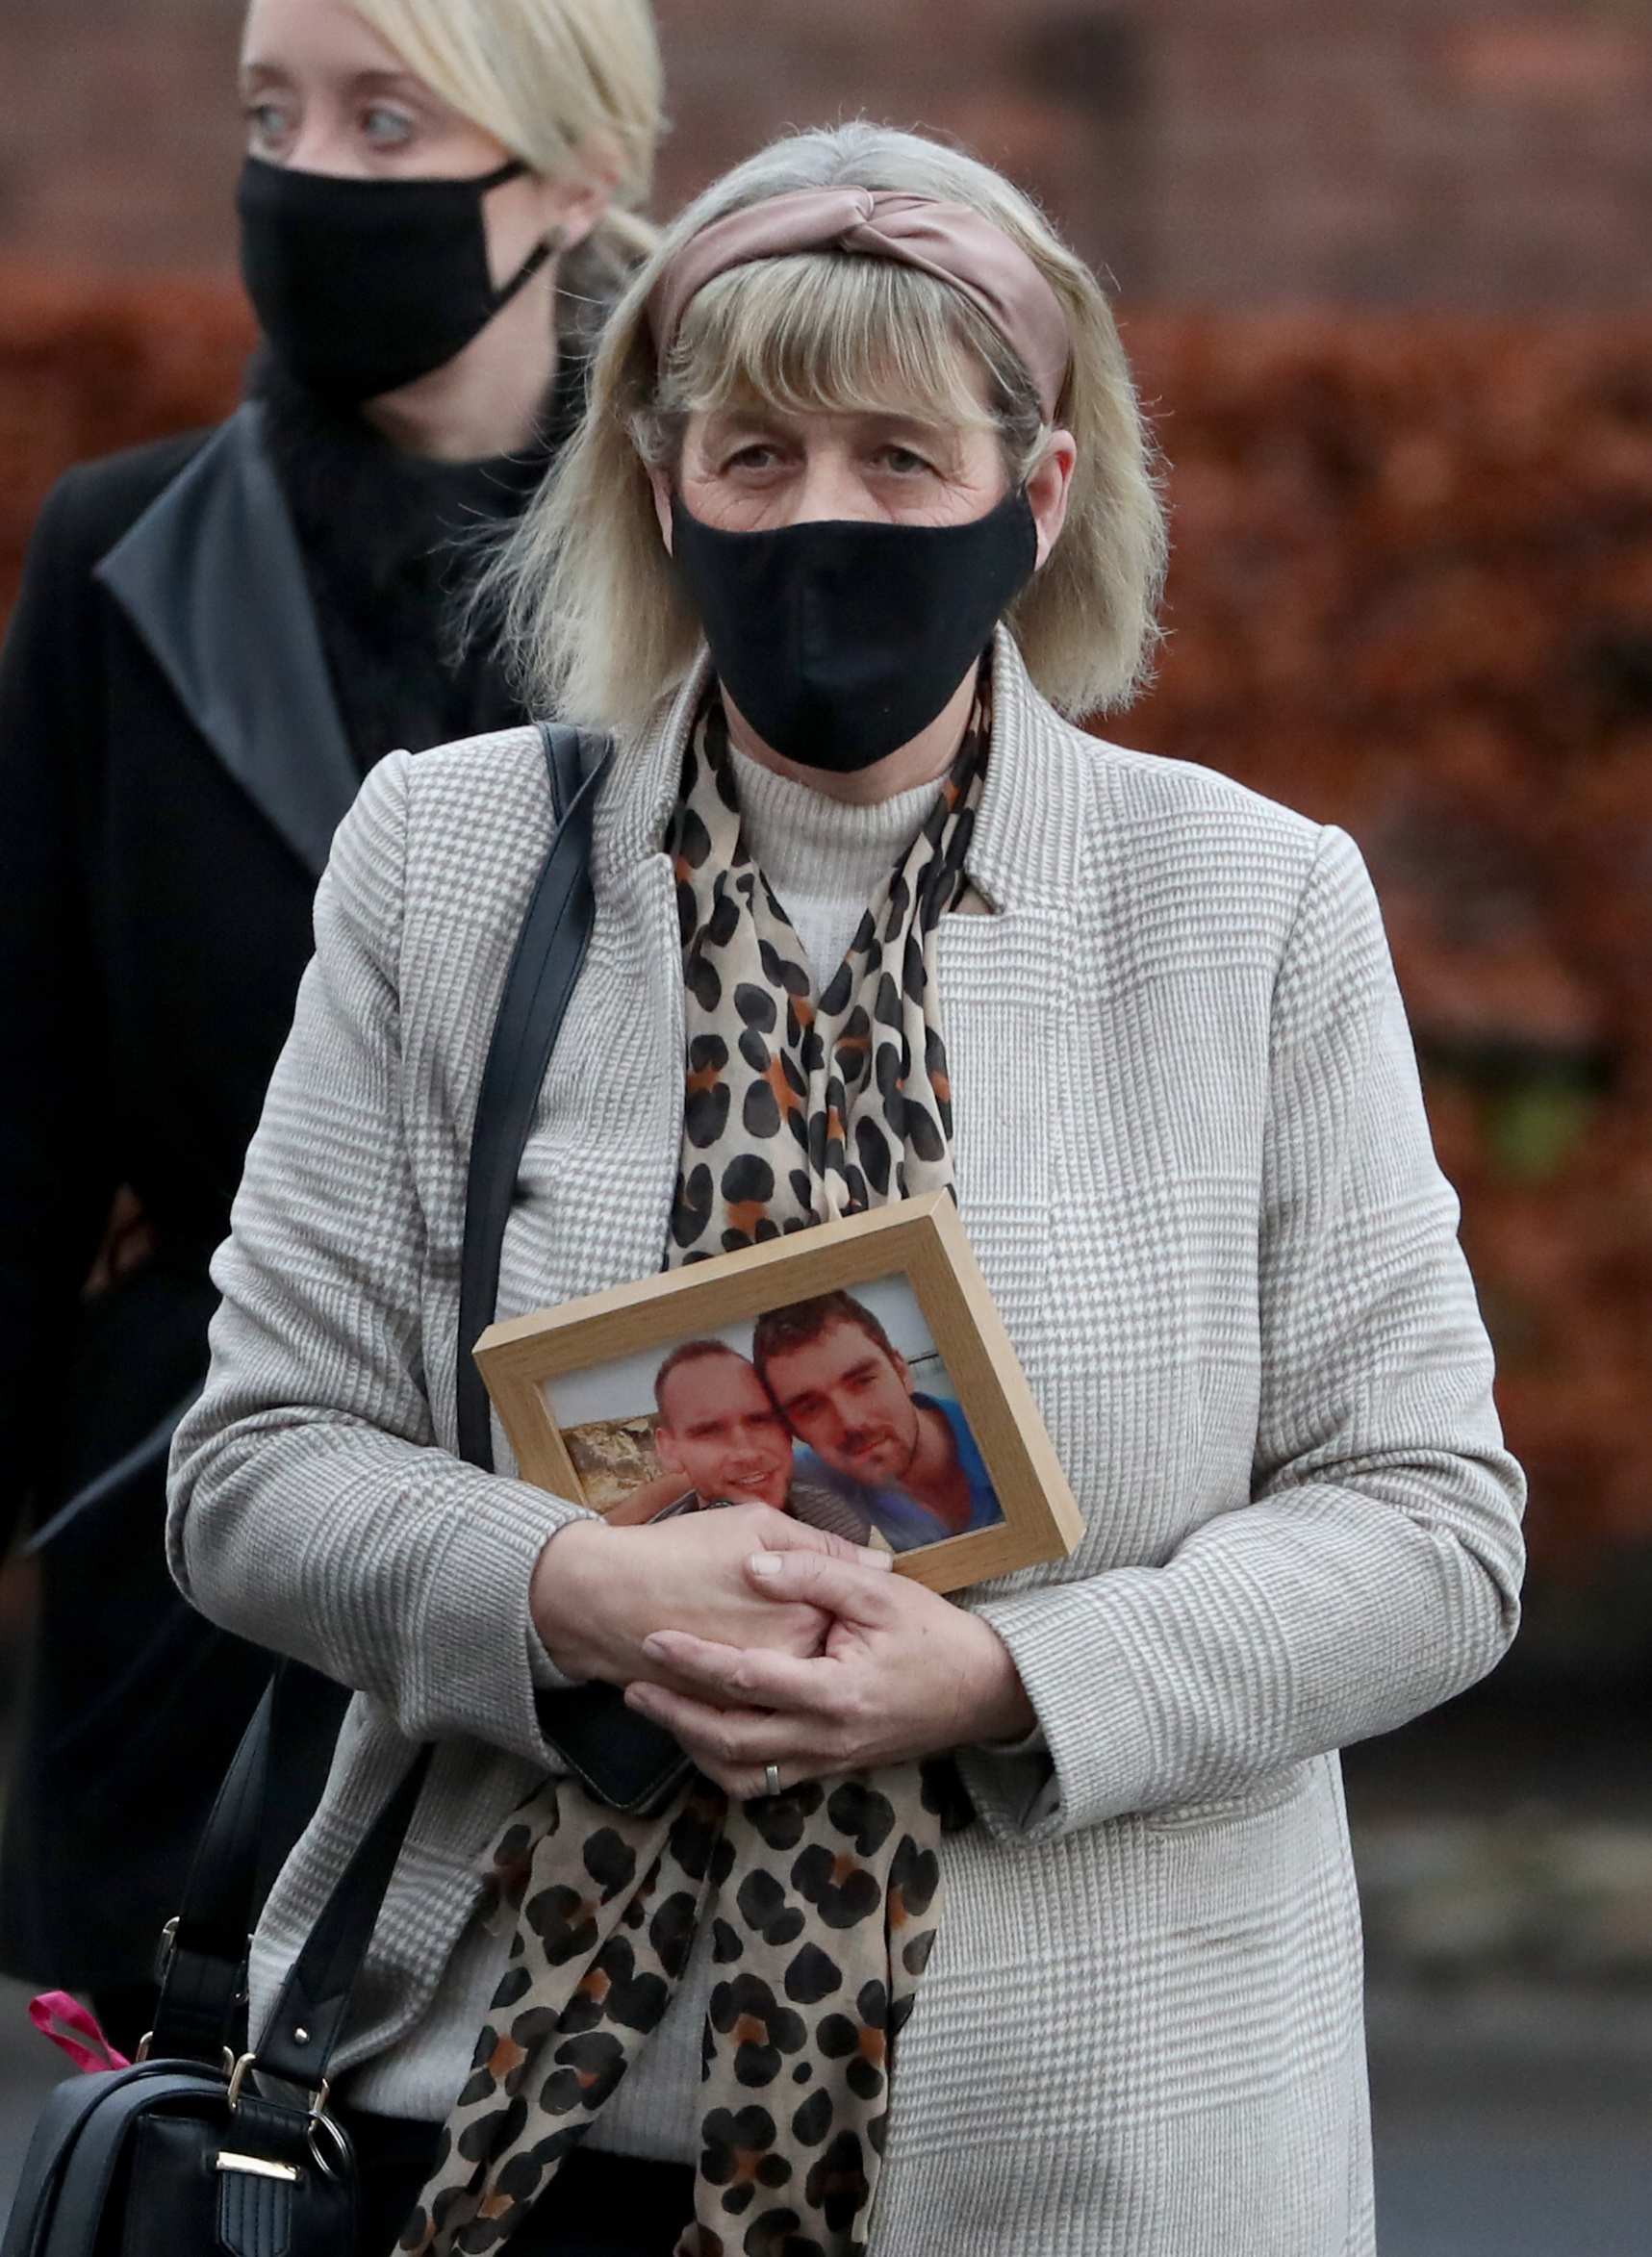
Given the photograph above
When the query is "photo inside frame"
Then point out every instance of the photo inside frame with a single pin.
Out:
(839, 1409)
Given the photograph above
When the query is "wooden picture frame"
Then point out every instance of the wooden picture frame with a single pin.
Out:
(913, 1250)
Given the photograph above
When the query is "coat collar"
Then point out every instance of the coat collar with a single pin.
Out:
(211, 578)
(640, 794)
(1025, 851)
(1024, 854)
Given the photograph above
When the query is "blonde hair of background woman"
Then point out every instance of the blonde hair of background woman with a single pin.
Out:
(551, 79)
(593, 618)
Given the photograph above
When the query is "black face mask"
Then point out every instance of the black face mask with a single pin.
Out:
(839, 640)
(361, 285)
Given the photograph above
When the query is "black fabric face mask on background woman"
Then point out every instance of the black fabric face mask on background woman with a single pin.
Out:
(839, 640)
(361, 285)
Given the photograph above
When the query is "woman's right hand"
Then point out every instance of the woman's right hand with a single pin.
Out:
(599, 1591)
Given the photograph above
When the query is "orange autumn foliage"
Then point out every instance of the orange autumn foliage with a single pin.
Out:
(1412, 595)
(88, 367)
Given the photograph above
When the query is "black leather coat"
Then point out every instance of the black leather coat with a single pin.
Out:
(173, 762)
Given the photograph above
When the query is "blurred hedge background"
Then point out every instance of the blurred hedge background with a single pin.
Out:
(1412, 595)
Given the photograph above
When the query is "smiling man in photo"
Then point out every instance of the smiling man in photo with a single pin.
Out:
(721, 1442)
(846, 1391)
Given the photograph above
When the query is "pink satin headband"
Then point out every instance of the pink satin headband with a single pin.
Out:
(951, 241)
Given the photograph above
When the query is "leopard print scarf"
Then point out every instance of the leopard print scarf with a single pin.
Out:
(802, 1108)
(826, 1898)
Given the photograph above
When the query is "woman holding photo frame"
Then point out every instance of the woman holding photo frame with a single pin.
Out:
(862, 508)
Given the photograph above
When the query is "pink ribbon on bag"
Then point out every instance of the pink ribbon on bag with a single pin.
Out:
(68, 2024)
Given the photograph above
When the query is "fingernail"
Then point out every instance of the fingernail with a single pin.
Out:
(873, 1556)
(766, 1562)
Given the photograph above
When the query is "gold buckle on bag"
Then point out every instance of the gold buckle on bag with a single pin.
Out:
(317, 2098)
(255, 2166)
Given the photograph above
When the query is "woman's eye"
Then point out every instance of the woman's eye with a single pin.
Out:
(387, 129)
(758, 456)
(904, 462)
(265, 122)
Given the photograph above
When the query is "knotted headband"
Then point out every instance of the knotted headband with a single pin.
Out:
(957, 244)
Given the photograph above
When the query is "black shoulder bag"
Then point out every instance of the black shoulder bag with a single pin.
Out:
(192, 2152)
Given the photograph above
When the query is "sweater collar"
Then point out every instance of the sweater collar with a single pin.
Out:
(833, 850)
(364, 510)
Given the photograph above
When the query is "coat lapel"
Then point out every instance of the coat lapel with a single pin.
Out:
(600, 1170)
(1005, 995)
(211, 578)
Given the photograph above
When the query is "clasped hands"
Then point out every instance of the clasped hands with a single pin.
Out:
(757, 1640)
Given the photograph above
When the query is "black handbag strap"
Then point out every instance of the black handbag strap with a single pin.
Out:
(267, 1797)
(304, 2026)
(205, 1965)
(550, 952)
(272, 1784)
(206, 1953)
(550, 949)
(623, 1758)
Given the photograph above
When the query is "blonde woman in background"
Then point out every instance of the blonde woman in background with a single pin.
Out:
(217, 638)
(1020, 1924)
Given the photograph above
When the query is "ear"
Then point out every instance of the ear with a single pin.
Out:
(1048, 485)
(902, 1370)
(666, 1451)
(661, 482)
(578, 202)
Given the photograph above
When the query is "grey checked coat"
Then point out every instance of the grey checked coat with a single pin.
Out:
(1192, 1156)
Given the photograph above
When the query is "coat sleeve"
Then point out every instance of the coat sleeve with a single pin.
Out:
(57, 1170)
(312, 1506)
(1376, 1569)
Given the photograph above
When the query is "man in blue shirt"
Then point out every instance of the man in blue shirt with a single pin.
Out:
(848, 1392)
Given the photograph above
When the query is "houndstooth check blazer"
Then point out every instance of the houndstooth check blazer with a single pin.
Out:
(1192, 1158)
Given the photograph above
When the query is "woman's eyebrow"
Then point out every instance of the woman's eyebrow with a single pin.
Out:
(403, 83)
(724, 423)
(903, 419)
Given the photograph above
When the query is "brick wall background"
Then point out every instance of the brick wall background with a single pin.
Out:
(1483, 153)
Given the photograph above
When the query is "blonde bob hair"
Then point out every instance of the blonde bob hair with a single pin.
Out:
(594, 616)
(552, 80)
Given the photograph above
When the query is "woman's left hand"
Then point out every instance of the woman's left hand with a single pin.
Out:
(903, 1674)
